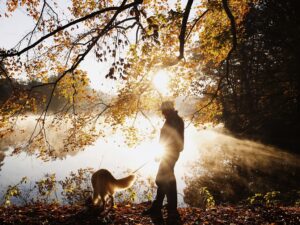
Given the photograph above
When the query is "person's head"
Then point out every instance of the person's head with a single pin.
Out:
(167, 107)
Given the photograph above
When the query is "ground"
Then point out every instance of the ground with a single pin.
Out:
(131, 214)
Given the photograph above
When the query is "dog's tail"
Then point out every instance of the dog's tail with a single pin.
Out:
(125, 182)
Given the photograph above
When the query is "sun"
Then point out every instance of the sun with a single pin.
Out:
(161, 82)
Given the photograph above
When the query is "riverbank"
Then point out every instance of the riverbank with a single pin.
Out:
(131, 214)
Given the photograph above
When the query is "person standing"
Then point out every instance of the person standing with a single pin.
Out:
(172, 139)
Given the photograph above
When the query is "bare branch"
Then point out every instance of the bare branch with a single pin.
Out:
(234, 41)
(195, 22)
(183, 28)
(232, 27)
(50, 7)
(37, 23)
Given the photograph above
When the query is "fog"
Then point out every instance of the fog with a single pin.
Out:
(209, 151)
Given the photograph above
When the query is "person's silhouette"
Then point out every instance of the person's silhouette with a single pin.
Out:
(172, 139)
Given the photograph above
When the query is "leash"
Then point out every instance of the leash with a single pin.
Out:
(141, 166)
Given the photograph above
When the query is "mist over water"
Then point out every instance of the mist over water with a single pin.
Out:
(234, 169)
(207, 151)
(217, 143)
(25, 128)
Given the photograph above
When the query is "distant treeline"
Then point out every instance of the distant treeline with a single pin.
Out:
(261, 96)
(8, 88)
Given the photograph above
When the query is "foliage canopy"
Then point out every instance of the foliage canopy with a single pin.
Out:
(202, 44)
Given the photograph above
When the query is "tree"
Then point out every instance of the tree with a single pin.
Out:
(205, 36)
(261, 95)
(259, 98)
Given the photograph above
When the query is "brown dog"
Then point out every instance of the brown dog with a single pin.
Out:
(105, 185)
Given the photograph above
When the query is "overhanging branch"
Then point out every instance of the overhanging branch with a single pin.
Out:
(183, 28)
(232, 27)
(195, 22)
(113, 8)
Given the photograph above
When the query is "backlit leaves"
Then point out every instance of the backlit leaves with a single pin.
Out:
(140, 40)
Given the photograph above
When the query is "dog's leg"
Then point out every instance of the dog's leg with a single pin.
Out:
(95, 198)
(111, 199)
(103, 201)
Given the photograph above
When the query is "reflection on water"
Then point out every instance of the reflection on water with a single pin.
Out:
(111, 154)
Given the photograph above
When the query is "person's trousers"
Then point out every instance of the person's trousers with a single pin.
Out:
(166, 183)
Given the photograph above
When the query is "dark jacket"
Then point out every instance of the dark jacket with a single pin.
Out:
(172, 133)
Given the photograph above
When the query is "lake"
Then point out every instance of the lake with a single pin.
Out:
(111, 153)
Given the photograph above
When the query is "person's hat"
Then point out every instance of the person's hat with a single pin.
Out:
(167, 105)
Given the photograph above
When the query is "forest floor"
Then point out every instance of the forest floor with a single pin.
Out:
(131, 214)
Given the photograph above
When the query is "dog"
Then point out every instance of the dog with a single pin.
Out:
(105, 185)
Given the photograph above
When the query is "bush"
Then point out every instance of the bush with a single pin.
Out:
(275, 198)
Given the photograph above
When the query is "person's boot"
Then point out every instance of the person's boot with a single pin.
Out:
(173, 217)
(154, 212)
(155, 209)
